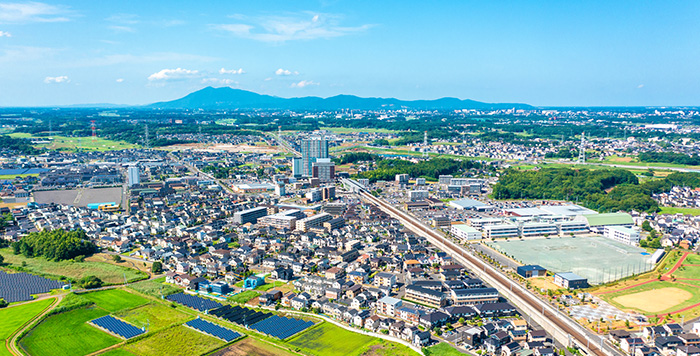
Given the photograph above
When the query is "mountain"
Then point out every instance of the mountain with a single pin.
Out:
(229, 98)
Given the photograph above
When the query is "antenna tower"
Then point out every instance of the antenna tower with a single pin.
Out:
(94, 131)
(582, 149)
(425, 144)
(146, 143)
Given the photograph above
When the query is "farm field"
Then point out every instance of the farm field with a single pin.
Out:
(154, 287)
(442, 349)
(68, 334)
(178, 340)
(243, 297)
(64, 143)
(254, 347)
(684, 211)
(13, 318)
(109, 274)
(330, 340)
(156, 315)
(117, 352)
(113, 300)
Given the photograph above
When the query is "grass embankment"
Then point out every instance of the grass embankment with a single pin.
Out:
(108, 273)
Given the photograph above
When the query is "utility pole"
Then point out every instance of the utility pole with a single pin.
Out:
(94, 131)
(425, 144)
(582, 149)
(146, 144)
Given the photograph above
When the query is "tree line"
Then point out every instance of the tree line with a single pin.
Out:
(669, 157)
(387, 169)
(55, 245)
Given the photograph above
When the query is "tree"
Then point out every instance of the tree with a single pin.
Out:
(3, 303)
(2, 259)
(461, 320)
(16, 248)
(27, 250)
(646, 226)
(90, 282)
(157, 267)
(117, 258)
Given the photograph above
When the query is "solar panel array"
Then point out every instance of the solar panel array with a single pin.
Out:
(194, 302)
(281, 327)
(214, 330)
(117, 326)
(18, 287)
(240, 316)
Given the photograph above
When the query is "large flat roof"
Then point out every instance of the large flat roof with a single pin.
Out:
(609, 219)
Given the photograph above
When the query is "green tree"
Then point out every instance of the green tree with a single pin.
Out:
(90, 282)
(2, 259)
(157, 267)
(3, 303)
(117, 258)
(646, 226)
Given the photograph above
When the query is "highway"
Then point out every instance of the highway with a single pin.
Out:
(559, 325)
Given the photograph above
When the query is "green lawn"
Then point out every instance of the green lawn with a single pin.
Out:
(330, 340)
(13, 176)
(108, 273)
(13, 318)
(155, 287)
(243, 297)
(692, 259)
(174, 341)
(441, 349)
(157, 315)
(68, 334)
(695, 299)
(692, 272)
(684, 211)
(114, 300)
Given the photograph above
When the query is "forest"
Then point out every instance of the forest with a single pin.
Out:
(55, 245)
(669, 157)
(387, 169)
(17, 146)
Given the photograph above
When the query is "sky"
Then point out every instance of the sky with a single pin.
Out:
(543, 53)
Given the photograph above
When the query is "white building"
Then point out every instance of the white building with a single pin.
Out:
(133, 175)
(465, 232)
(500, 231)
(418, 195)
(622, 234)
(538, 229)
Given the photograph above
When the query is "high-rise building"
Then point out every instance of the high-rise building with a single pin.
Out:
(296, 167)
(133, 175)
(324, 170)
(311, 151)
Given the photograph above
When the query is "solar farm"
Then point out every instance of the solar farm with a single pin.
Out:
(19, 287)
(194, 302)
(267, 323)
(212, 329)
(117, 327)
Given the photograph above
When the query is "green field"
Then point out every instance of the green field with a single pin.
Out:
(174, 341)
(684, 271)
(692, 259)
(684, 211)
(695, 299)
(108, 273)
(13, 176)
(13, 318)
(154, 287)
(114, 300)
(68, 334)
(156, 315)
(441, 349)
(251, 346)
(345, 130)
(117, 352)
(64, 143)
(330, 340)
(243, 297)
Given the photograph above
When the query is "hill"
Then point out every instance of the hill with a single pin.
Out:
(229, 98)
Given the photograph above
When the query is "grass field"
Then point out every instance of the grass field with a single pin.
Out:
(692, 259)
(243, 297)
(684, 211)
(13, 176)
(64, 143)
(13, 318)
(109, 274)
(157, 315)
(174, 341)
(117, 352)
(692, 272)
(113, 300)
(330, 340)
(343, 130)
(68, 334)
(155, 287)
(441, 349)
(659, 290)
(255, 347)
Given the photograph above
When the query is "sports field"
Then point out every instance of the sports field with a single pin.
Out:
(13, 318)
(178, 340)
(330, 340)
(108, 273)
(597, 258)
(81, 197)
(659, 297)
(68, 334)
(113, 300)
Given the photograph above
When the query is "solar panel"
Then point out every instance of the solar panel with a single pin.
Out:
(194, 302)
(118, 327)
(212, 329)
(19, 287)
(281, 327)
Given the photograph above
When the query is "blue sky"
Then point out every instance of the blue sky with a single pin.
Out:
(548, 53)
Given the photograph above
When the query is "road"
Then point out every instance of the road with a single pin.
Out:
(283, 143)
(11, 342)
(202, 174)
(559, 325)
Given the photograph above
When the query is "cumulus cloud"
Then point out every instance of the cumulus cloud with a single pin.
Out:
(303, 84)
(219, 81)
(285, 72)
(5, 34)
(25, 12)
(120, 80)
(231, 71)
(173, 74)
(302, 26)
(55, 80)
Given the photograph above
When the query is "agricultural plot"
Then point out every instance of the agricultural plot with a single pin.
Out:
(154, 287)
(114, 300)
(330, 340)
(155, 316)
(251, 346)
(13, 318)
(68, 334)
(178, 340)
(109, 274)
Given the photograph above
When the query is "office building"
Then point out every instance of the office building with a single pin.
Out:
(417, 195)
(133, 173)
(249, 215)
(328, 193)
(297, 170)
(324, 170)
(311, 151)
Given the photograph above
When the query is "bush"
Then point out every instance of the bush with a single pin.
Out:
(3, 303)
(157, 267)
(90, 282)
(117, 259)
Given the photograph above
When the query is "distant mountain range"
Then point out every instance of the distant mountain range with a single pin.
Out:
(229, 98)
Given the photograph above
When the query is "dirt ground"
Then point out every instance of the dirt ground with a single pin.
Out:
(654, 300)
(103, 257)
(250, 346)
(543, 283)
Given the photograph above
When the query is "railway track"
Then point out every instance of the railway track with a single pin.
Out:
(568, 331)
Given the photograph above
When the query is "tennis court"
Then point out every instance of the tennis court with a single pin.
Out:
(597, 258)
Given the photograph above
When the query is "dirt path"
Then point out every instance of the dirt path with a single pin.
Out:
(11, 343)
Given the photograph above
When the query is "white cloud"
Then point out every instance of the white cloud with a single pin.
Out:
(120, 28)
(120, 80)
(219, 81)
(231, 71)
(303, 84)
(640, 86)
(285, 72)
(32, 12)
(54, 80)
(5, 34)
(173, 74)
(288, 28)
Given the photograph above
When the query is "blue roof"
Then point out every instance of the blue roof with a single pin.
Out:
(532, 268)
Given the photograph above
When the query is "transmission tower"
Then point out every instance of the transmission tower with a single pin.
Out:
(582, 149)
(94, 131)
(146, 144)
(425, 144)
